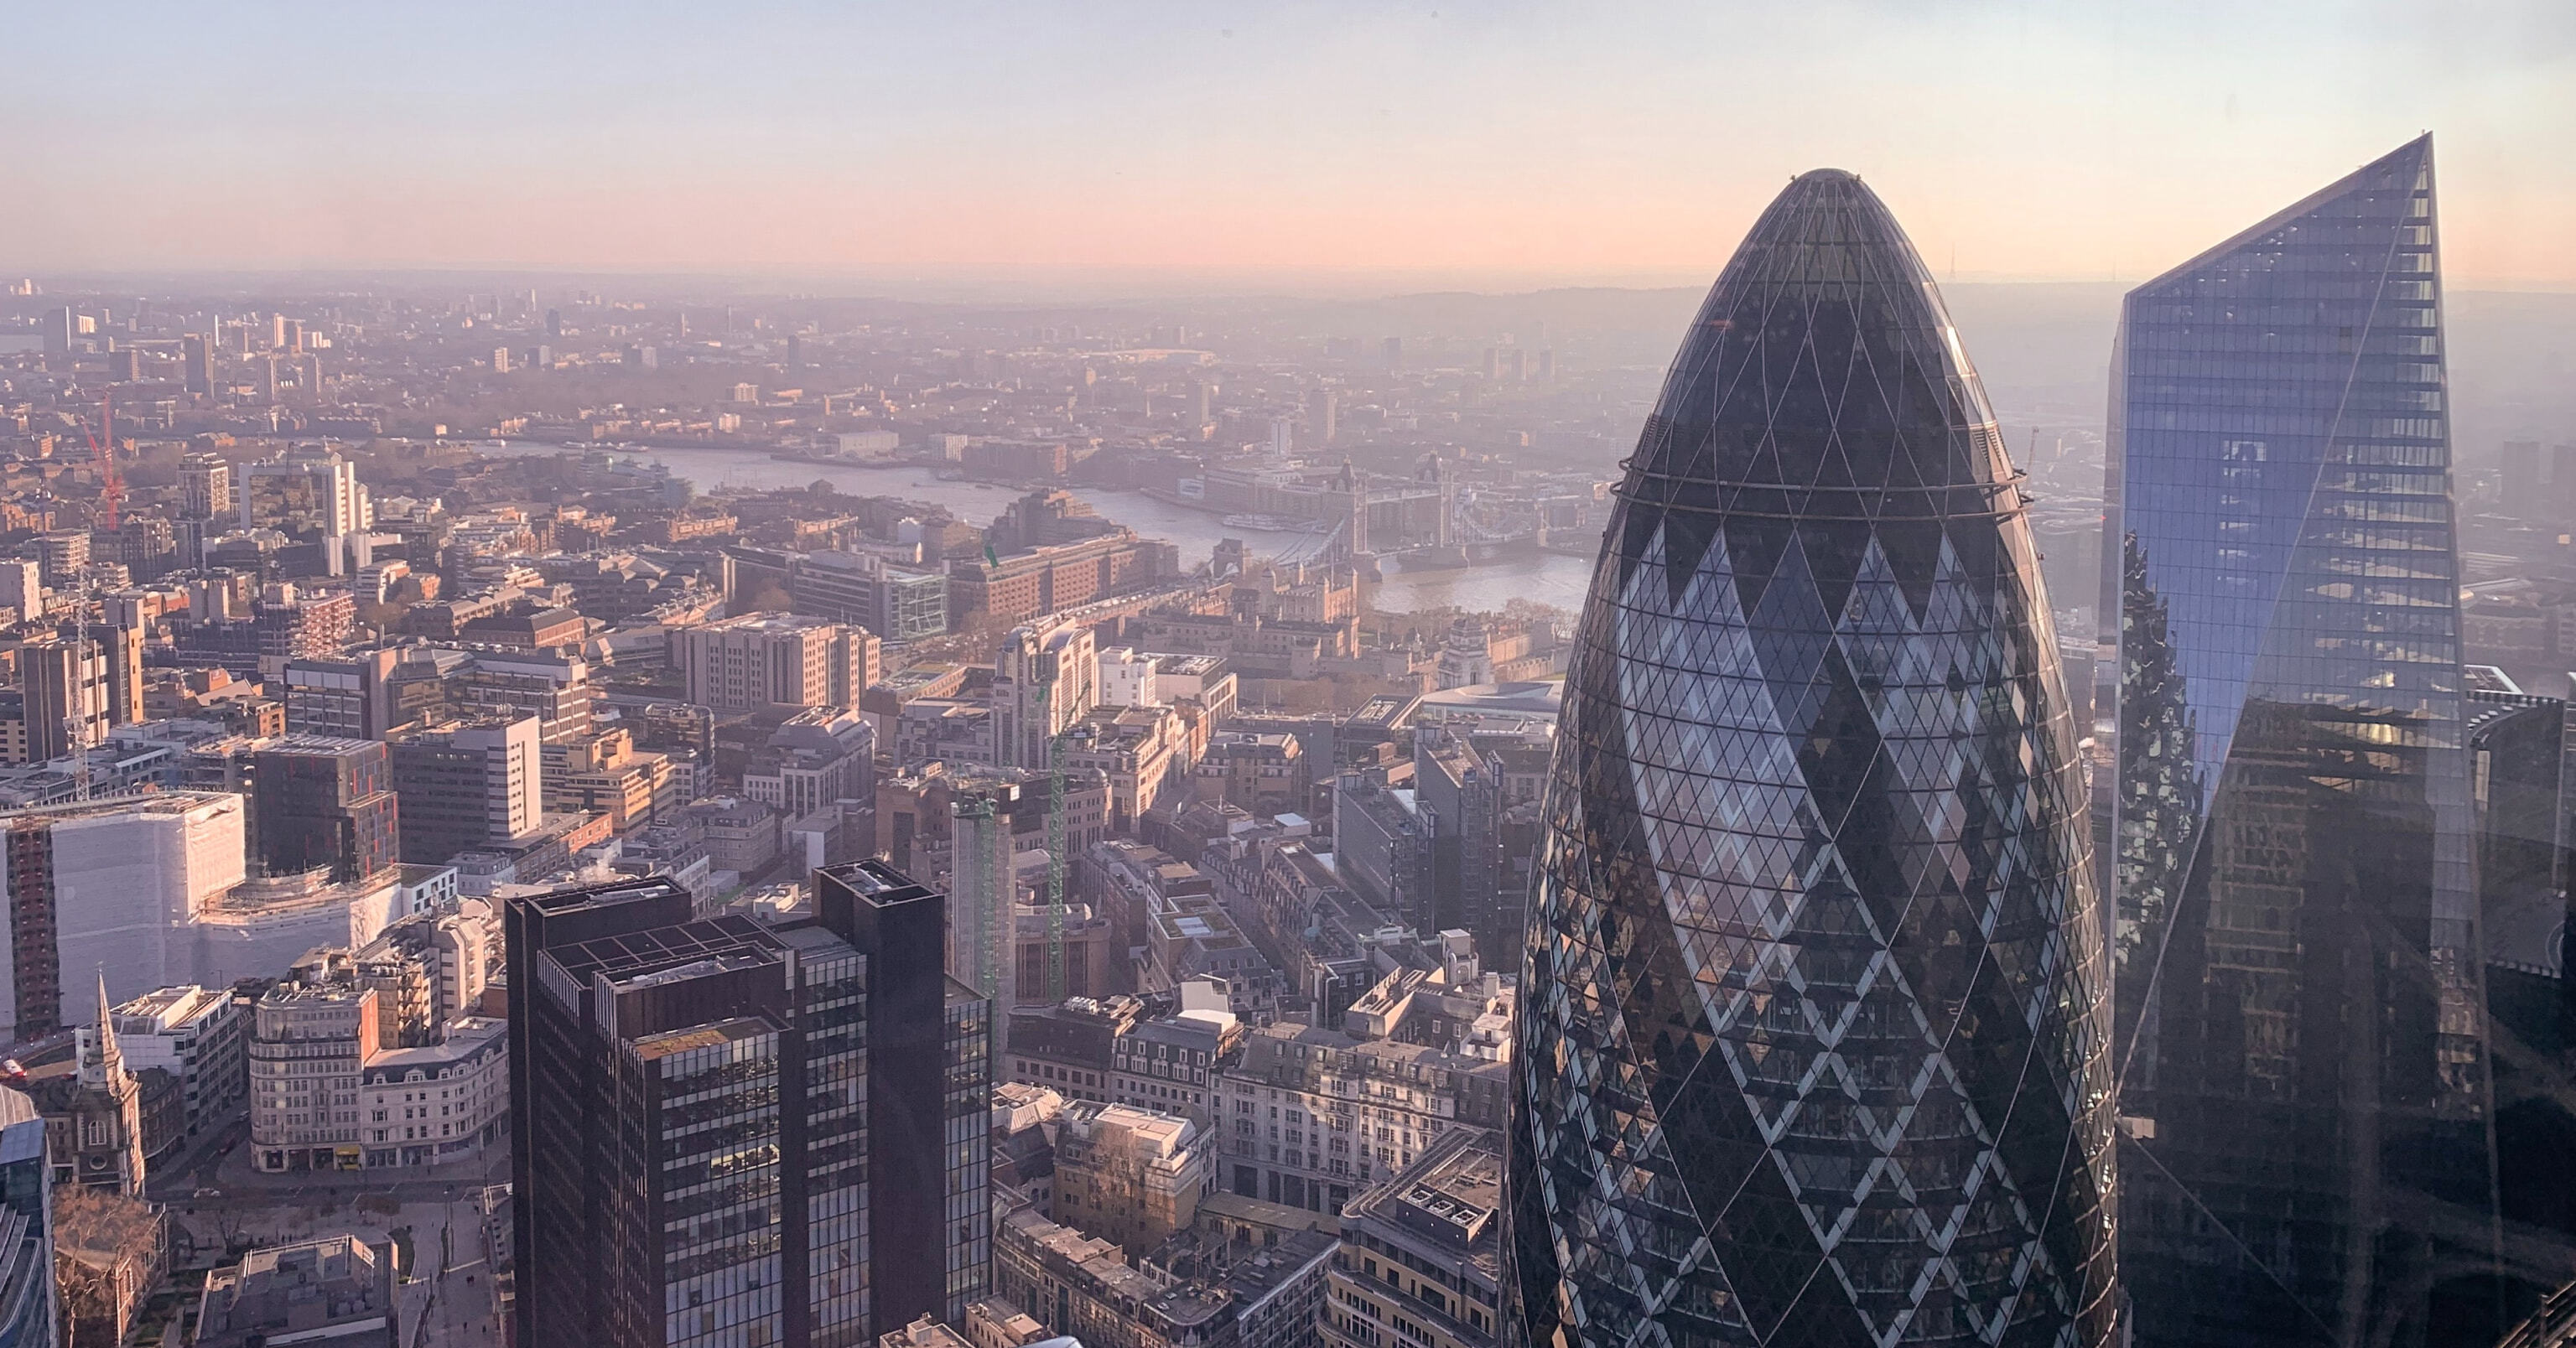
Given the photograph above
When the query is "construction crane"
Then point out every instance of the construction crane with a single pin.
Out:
(976, 871)
(1055, 847)
(1055, 895)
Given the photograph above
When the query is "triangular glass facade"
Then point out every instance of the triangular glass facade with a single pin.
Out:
(2307, 1141)
(1814, 1029)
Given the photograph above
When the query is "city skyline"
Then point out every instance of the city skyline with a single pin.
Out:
(1328, 148)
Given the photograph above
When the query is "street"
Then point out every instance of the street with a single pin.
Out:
(217, 1202)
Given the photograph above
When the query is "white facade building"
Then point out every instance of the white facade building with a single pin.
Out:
(1044, 679)
(196, 1034)
(440, 1102)
(1127, 679)
(123, 885)
(22, 590)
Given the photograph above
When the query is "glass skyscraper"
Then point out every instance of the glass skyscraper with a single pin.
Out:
(2305, 1103)
(1814, 1029)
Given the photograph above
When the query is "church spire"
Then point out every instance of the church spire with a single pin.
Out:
(105, 1061)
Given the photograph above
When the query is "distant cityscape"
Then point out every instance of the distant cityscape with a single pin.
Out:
(550, 811)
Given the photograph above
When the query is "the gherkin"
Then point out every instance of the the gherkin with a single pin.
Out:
(1813, 1040)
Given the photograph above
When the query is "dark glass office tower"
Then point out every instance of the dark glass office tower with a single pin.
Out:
(1813, 1039)
(732, 1133)
(324, 801)
(2305, 1095)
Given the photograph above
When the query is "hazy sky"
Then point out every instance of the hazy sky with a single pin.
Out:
(1477, 143)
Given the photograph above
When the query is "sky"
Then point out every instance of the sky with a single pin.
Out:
(1479, 145)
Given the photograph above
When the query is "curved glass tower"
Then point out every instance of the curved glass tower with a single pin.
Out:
(1813, 1038)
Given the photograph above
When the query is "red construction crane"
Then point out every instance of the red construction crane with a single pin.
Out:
(111, 482)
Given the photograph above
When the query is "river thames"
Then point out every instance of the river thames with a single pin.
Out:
(1547, 578)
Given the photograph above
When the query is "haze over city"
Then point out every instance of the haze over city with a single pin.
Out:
(1839, 675)
(1334, 146)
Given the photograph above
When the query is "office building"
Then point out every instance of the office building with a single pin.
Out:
(120, 649)
(2299, 976)
(897, 603)
(1050, 578)
(462, 1077)
(374, 1056)
(1422, 1252)
(606, 774)
(197, 364)
(1207, 1292)
(335, 1289)
(1817, 803)
(815, 759)
(303, 492)
(27, 1304)
(1044, 679)
(325, 803)
(197, 1035)
(110, 890)
(849, 1213)
(64, 553)
(465, 786)
(1130, 1176)
(1309, 1116)
(64, 683)
(22, 590)
(767, 661)
(310, 1038)
(350, 697)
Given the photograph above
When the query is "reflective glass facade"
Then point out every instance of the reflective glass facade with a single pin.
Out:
(1813, 1037)
(2304, 1085)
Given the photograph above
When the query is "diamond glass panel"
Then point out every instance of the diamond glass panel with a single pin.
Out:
(1814, 1027)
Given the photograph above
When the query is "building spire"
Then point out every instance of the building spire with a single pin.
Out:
(110, 1058)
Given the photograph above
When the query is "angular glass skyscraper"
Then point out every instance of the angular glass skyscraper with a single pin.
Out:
(2305, 1106)
(1814, 1029)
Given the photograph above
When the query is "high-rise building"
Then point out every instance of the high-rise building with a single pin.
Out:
(27, 1311)
(466, 786)
(766, 661)
(64, 683)
(2307, 1120)
(1321, 409)
(844, 1195)
(121, 658)
(350, 697)
(64, 552)
(302, 493)
(22, 590)
(109, 890)
(205, 487)
(1813, 1020)
(1044, 679)
(58, 331)
(197, 364)
(321, 801)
